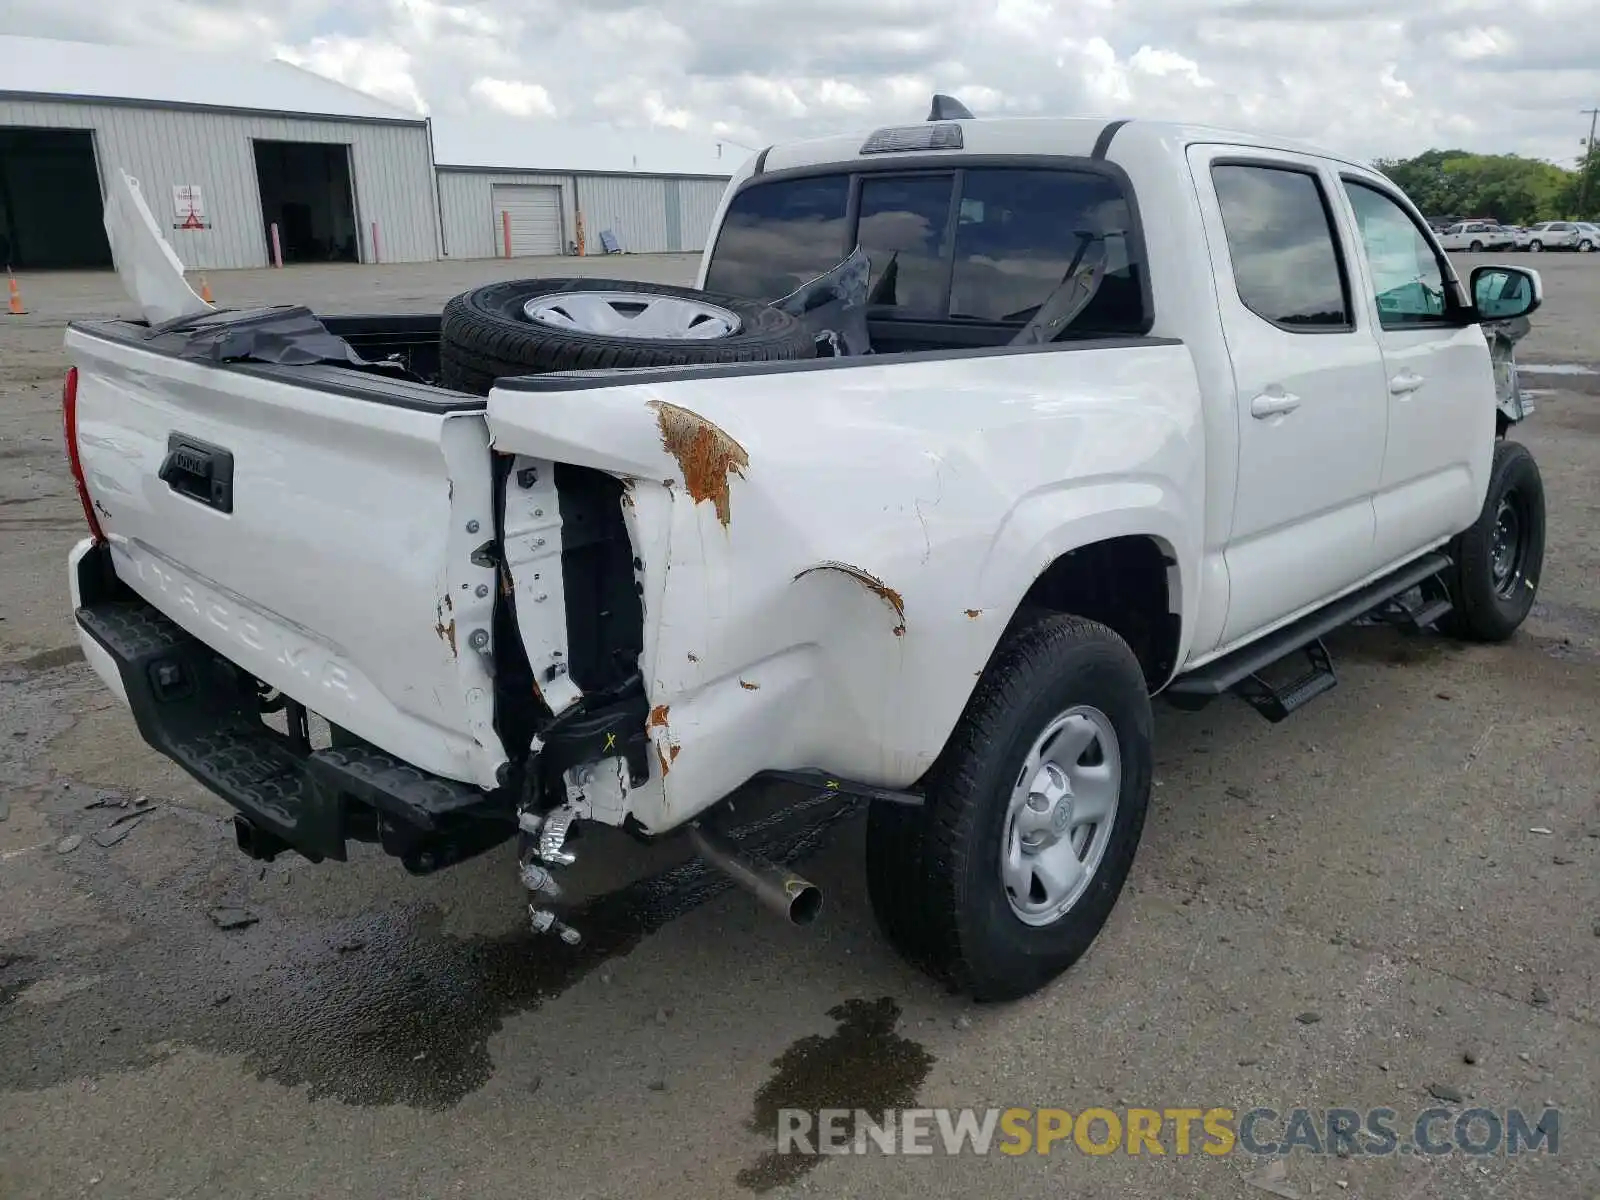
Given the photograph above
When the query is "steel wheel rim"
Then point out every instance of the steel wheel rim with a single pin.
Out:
(1060, 815)
(1508, 552)
(632, 315)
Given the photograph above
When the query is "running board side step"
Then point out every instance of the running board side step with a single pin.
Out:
(1240, 671)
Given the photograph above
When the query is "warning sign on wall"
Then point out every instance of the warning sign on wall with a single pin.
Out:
(188, 207)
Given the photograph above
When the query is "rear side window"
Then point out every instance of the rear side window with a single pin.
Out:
(1285, 252)
(777, 236)
(977, 244)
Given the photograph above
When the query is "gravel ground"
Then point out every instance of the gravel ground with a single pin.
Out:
(1392, 898)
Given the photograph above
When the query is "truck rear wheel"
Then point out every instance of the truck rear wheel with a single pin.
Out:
(533, 326)
(1498, 560)
(1004, 877)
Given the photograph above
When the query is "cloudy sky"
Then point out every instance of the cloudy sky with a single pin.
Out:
(1486, 75)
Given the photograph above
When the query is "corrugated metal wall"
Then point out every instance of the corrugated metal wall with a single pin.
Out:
(639, 209)
(697, 204)
(632, 207)
(391, 168)
(471, 226)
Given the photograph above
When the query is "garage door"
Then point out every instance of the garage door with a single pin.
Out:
(535, 219)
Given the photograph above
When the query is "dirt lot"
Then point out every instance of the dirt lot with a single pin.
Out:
(1392, 900)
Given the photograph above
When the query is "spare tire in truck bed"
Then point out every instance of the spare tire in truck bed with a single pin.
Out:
(531, 326)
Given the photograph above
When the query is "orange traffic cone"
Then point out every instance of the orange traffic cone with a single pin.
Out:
(14, 306)
(205, 290)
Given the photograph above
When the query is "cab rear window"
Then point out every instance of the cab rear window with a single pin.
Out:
(779, 235)
(982, 244)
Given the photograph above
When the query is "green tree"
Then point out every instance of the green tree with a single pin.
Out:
(1580, 202)
(1507, 187)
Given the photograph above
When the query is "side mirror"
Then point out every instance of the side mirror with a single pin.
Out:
(1505, 293)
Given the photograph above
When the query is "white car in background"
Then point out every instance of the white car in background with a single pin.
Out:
(1476, 236)
(1558, 235)
(1588, 236)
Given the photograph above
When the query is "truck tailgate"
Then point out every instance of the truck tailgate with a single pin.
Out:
(317, 527)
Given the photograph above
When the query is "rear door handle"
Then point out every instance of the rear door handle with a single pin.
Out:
(1272, 404)
(1405, 383)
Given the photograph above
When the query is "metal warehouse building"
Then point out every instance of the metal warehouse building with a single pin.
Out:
(224, 149)
(508, 189)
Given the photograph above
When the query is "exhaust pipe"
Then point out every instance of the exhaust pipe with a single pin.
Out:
(796, 900)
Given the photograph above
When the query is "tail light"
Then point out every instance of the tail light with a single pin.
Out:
(69, 435)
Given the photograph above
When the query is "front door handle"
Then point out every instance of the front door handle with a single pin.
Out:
(1405, 383)
(1273, 403)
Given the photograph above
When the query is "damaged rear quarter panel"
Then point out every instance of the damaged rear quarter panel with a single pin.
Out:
(880, 523)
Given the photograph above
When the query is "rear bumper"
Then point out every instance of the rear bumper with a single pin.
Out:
(203, 712)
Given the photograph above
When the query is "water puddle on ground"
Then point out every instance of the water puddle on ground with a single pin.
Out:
(1555, 369)
(386, 1009)
(863, 1064)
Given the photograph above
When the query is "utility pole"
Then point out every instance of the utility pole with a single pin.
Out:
(1588, 163)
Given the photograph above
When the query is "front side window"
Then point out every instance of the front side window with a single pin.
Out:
(1014, 236)
(779, 235)
(1285, 252)
(1407, 276)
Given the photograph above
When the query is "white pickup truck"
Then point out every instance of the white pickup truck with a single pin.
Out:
(1147, 409)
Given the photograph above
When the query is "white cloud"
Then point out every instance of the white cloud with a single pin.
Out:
(1363, 76)
(1479, 42)
(1168, 62)
(379, 68)
(514, 97)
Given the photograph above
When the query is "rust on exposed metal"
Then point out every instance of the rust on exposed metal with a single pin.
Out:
(706, 455)
(974, 613)
(672, 751)
(658, 717)
(748, 686)
(446, 630)
(873, 584)
(661, 757)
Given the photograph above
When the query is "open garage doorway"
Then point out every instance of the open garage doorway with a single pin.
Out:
(306, 193)
(51, 210)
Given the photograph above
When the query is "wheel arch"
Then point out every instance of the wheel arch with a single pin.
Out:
(1134, 539)
(1130, 583)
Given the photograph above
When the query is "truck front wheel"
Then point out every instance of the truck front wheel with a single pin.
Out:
(1002, 879)
(1499, 560)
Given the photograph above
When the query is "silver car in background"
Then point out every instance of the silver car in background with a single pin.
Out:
(1559, 235)
(1477, 236)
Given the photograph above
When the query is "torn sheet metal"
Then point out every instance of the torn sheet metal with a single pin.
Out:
(150, 271)
(290, 336)
(834, 307)
(1503, 337)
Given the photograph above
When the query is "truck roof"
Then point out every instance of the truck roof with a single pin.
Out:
(1020, 136)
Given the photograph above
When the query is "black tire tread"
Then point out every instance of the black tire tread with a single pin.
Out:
(917, 859)
(1475, 616)
(479, 342)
